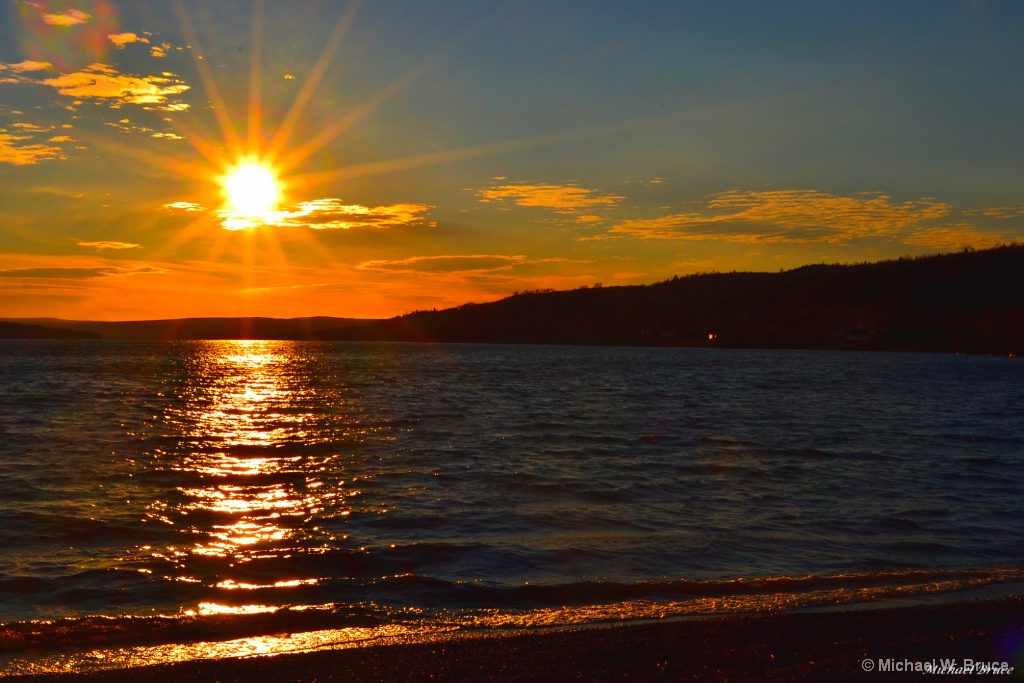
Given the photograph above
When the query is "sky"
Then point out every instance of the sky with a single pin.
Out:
(193, 158)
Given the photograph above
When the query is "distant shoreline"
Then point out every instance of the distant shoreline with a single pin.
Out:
(788, 646)
(967, 302)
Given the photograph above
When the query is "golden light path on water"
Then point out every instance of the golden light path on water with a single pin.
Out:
(244, 406)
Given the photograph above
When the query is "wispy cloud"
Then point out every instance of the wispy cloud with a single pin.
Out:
(109, 245)
(143, 269)
(72, 17)
(122, 39)
(185, 206)
(14, 149)
(332, 214)
(126, 126)
(320, 214)
(73, 273)
(997, 212)
(955, 238)
(787, 216)
(27, 66)
(31, 128)
(104, 83)
(460, 263)
(565, 199)
(58, 273)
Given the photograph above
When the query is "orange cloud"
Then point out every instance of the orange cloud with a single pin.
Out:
(26, 66)
(127, 126)
(331, 214)
(109, 245)
(997, 212)
(562, 198)
(787, 216)
(57, 273)
(472, 263)
(13, 152)
(956, 238)
(122, 39)
(31, 128)
(76, 273)
(72, 17)
(103, 82)
(319, 214)
(185, 206)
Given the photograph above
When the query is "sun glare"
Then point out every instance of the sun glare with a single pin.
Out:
(252, 189)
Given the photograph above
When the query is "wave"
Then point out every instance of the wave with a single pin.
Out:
(216, 630)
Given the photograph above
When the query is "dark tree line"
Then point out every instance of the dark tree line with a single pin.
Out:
(971, 301)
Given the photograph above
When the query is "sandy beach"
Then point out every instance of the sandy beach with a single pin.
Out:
(860, 644)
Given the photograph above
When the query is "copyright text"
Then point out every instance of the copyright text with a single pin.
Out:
(937, 666)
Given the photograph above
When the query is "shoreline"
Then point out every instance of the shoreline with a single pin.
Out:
(786, 646)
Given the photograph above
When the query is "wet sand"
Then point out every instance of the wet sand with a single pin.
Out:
(767, 647)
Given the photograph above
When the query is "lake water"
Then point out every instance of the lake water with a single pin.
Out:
(191, 499)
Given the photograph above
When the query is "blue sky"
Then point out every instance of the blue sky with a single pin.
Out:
(429, 154)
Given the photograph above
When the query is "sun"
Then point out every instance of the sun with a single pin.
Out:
(252, 188)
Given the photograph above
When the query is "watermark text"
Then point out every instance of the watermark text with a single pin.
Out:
(937, 666)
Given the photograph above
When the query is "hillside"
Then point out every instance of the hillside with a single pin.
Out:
(10, 330)
(971, 302)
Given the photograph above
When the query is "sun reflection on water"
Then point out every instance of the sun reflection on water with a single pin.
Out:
(250, 401)
(251, 482)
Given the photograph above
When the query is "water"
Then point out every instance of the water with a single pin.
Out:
(169, 501)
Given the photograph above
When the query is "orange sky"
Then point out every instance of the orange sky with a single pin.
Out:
(431, 156)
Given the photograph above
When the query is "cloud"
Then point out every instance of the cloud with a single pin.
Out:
(58, 273)
(79, 273)
(72, 17)
(956, 238)
(185, 206)
(143, 270)
(27, 66)
(786, 216)
(574, 204)
(997, 212)
(110, 245)
(103, 82)
(331, 214)
(126, 126)
(122, 39)
(31, 128)
(12, 151)
(319, 214)
(473, 263)
(61, 138)
(563, 198)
